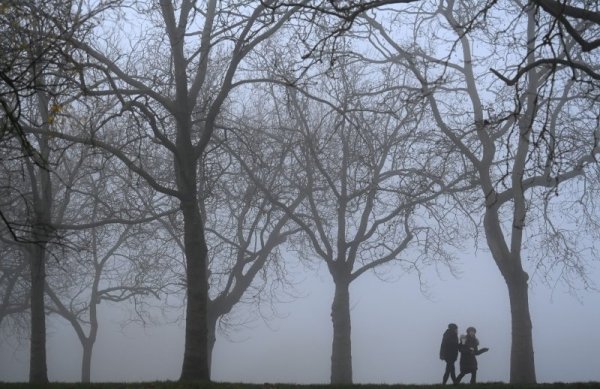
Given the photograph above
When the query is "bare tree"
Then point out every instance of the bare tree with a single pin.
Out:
(96, 253)
(174, 108)
(118, 268)
(523, 146)
(116, 252)
(33, 81)
(13, 87)
(367, 195)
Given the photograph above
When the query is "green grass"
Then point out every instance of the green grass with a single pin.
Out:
(215, 385)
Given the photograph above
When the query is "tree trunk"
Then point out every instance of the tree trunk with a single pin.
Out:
(212, 339)
(341, 350)
(38, 372)
(195, 359)
(86, 361)
(522, 365)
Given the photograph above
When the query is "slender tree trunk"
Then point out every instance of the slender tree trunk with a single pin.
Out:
(38, 372)
(195, 359)
(212, 338)
(341, 350)
(86, 361)
(87, 343)
(522, 366)
(42, 201)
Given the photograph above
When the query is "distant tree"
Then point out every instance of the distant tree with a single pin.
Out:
(118, 268)
(15, 281)
(34, 80)
(14, 287)
(14, 297)
(525, 145)
(94, 213)
(118, 252)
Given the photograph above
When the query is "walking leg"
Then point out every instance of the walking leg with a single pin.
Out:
(447, 373)
(474, 377)
(460, 376)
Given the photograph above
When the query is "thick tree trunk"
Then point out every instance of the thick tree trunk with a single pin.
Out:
(341, 350)
(522, 365)
(86, 361)
(38, 372)
(195, 359)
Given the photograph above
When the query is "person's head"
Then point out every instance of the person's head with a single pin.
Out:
(471, 331)
(453, 327)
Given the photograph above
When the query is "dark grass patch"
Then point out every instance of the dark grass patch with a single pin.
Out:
(220, 385)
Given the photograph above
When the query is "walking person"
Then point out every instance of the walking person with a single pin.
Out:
(469, 349)
(449, 352)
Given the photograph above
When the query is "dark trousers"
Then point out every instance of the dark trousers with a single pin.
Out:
(450, 372)
(463, 373)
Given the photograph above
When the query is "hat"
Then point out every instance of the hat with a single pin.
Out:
(471, 329)
(452, 326)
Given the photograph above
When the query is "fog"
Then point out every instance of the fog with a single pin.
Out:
(396, 334)
(188, 146)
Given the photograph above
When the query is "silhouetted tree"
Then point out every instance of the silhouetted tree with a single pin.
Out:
(33, 80)
(117, 250)
(172, 104)
(524, 146)
(370, 176)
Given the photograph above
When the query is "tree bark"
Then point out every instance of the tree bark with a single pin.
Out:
(195, 359)
(341, 350)
(86, 361)
(42, 201)
(38, 372)
(522, 366)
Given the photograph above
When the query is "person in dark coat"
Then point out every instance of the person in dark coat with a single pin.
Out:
(449, 351)
(469, 349)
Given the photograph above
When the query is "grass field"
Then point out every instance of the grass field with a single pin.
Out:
(215, 385)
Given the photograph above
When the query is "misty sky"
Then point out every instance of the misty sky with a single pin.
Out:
(396, 334)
